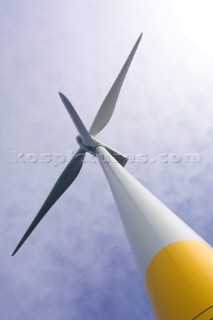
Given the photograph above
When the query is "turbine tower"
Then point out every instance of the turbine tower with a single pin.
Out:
(175, 262)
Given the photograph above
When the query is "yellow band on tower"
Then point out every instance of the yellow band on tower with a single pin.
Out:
(179, 281)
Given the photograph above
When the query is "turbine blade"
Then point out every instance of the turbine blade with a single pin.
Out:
(86, 138)
(64, 181)
(108, 105)
(118, 156)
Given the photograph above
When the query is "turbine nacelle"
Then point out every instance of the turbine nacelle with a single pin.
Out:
(90, 149)
(122, 159)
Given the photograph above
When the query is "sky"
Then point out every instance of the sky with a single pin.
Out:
(78, 264)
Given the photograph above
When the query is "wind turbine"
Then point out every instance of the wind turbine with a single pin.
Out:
(175, 262)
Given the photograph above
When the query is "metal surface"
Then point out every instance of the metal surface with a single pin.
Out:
(122, 159)
(149, 224)
(179, 281)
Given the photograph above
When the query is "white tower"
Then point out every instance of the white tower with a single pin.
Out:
(176, 263)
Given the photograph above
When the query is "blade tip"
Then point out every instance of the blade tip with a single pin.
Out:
(17, 248)
(14, 252)
(140, 36)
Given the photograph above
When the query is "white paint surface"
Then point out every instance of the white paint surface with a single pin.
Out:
(149, 224)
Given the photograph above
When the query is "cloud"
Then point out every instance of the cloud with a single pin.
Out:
(78, 263)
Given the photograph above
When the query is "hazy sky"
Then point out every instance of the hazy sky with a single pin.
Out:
(77, 264)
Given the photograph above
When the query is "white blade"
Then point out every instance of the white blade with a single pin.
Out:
(86, 138)
(108, 105)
